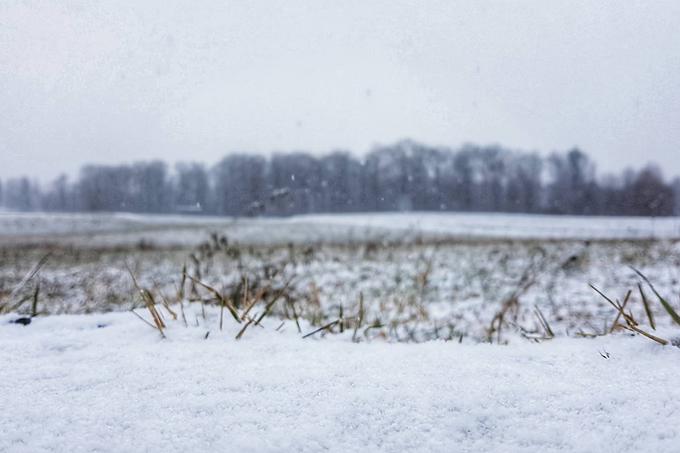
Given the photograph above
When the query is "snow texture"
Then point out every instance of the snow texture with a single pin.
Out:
(167, 230)
(107, 382)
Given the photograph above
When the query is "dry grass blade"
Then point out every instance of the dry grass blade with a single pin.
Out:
(245, 291)
(611, 302)
(150, 303)
(273, 301)
(423, 277)
(647, 334)
(184, 317)
(360, 317)
(221, 312)
(19, 304)
(667, 306)
(648, 311)
(511, 304)
(583, 334)
(253, 301)
(218, 296)
(544, 323)
(377, 324)
(24, 281)
(619, 309)
(34, 305)
(143, 320)
(295, 316)
(180, 290)
(165, 302)
(322, 328)
(341, 317)
(266, 311)
(243, 330)
(630, 322)
(618, 315)
(151, 307)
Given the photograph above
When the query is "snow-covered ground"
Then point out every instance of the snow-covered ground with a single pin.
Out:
(163, 230)
(94, 381)
(518, 226)
(448, 289)
(108, 383)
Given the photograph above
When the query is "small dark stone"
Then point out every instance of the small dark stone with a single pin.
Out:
(23, 321)
(101, 326)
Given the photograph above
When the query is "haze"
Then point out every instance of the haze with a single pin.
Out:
(123, 81)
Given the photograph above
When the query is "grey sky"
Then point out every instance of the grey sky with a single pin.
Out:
(193, 80)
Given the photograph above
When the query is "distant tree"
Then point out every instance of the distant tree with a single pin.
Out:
(492, 177)
(192, 188)
(403, 176)
(573, 181)
(239, 184)
(650, 196)
(21, 194)
(149, 187)
(337, 191)
(105, 188)
(370, 198)
(466, 179)
(58, 196)
(524, 184)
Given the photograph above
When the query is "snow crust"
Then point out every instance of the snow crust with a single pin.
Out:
(107, 382)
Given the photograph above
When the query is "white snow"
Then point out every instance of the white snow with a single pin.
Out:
(497, 225)
(166, 230)
(107, 382)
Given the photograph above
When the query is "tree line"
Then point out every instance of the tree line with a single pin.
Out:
(404, 176)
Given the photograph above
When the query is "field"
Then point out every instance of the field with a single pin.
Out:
(385, 332)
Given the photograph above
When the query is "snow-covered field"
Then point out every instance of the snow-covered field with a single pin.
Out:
(163, 230)
(109, 383)
(406, 305)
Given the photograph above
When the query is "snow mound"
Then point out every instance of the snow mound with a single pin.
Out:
(107, 382)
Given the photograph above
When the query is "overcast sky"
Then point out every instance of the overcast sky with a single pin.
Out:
(120, 81)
